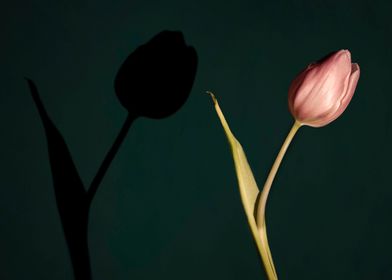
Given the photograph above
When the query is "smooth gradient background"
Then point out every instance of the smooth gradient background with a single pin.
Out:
(169, 207)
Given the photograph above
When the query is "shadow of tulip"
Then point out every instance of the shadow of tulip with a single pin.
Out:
(154, 82)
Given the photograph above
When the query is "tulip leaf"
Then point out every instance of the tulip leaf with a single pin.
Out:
(249, 193)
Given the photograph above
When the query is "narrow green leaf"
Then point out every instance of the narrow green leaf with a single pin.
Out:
(249, 193)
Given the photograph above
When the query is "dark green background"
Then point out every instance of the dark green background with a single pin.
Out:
(169, 207)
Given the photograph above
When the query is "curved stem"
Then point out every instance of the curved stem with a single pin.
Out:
(260, 214)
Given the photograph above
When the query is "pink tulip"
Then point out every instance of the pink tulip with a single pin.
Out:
(320, 93)
(317, 96)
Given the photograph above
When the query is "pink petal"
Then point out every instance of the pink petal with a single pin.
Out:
(354, 77)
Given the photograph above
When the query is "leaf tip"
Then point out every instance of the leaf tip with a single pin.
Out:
(212, 96)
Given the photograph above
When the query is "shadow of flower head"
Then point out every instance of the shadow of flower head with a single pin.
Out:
(156, 79)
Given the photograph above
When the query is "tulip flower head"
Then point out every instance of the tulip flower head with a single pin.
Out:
(321, 92)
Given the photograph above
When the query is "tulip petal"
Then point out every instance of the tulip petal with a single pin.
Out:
(353, 81)
(295, 84)
(249, 194)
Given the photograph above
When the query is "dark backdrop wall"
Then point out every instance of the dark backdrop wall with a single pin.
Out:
(169, 207)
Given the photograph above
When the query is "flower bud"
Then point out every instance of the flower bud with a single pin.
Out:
(156, 79)
(321, 92)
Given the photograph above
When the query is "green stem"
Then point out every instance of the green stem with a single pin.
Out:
(268, 183)
(260, 213)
